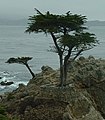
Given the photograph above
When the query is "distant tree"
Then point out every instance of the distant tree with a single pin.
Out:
(68, 35)
(21, 60)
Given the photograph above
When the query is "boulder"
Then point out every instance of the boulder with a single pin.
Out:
(6, 83)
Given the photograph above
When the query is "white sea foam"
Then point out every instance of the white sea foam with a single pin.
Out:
(11, 87)
(6, 76)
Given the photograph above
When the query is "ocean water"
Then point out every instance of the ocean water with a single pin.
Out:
(14, 42)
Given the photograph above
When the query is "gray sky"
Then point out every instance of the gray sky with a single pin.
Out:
(16, 9)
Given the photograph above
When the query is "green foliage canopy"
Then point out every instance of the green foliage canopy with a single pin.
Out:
(55, 23)
(20, 60)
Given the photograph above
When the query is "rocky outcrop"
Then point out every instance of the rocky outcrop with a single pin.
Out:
(53, 103)
(82, 98)
(89, 74)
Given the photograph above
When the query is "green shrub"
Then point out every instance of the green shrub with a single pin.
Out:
(3, 117)
(2, 110)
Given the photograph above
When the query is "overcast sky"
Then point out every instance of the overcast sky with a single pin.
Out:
(16, 9)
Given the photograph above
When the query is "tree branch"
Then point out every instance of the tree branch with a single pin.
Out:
(55, 42)
(77, 54)
(38, 11)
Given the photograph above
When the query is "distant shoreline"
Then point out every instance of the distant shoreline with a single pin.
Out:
(20, 22)
(95, 23)
(24, 22)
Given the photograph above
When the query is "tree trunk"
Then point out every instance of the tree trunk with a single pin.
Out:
(60, 53)
(65, 65)
(33, 75)
(65, 69)
(61, 71)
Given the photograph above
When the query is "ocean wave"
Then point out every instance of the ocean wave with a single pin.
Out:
(7, 77)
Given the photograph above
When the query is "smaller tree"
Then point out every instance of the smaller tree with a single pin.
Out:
(21, 60)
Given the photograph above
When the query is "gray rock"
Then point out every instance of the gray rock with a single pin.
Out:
(82, 99)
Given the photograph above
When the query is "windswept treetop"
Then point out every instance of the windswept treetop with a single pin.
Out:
(55, 23)
(20, 60)
(77, 41)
